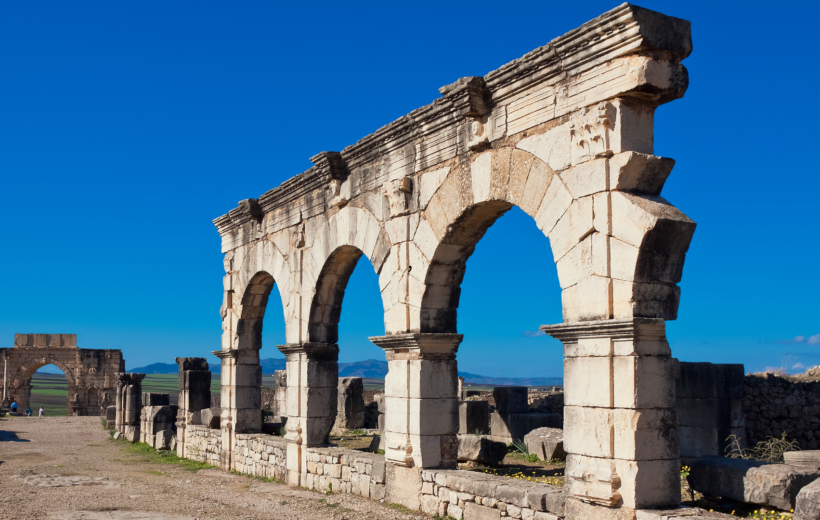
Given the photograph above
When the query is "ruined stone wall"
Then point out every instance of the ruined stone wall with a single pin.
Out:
(774, 405)
(471, 495)
(203, 444)
(346, 471)
(261, 455)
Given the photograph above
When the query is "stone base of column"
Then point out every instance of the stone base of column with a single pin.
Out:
(421, 420)
(620, 425)
(311, 396)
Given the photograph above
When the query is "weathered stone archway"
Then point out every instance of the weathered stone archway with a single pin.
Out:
(566, 134)
(90, 373)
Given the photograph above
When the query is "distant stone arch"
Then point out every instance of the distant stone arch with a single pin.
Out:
(90, 373)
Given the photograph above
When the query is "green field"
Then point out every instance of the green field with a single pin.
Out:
(51, 391)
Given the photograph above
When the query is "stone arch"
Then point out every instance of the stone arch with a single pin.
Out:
(619, 253)
(340, 242)
(26, 372)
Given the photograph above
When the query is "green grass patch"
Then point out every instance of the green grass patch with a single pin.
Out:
(403, 509)
(160, 457)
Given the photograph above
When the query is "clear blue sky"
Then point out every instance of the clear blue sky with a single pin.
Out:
(126, 127)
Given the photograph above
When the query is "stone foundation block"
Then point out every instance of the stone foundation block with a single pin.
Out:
(506, 427)
(751, 481)
(510, 399)
(808, 502)
(162, 439)
(473, 417)
(477, 448)
(546, 443)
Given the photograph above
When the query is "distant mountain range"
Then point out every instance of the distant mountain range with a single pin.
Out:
(370, 368)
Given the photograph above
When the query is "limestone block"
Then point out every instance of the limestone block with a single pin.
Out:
(557, 199)
(808, 502)
(397, 381)
(588, 431)
(633, 126)
(428, 184)
(575, 224)
(403, 487)
(750, 481)
(552, 147)
(507, 427)
(162, 439)
(210, 417)
(478, 448)
(520, 165)
(698, 442)
(433, 416)
(589, 299)
(473, 511)
(649, 300)
(473, 416)
(587, 381)
(111, 413)
(155, 399)
(649, 222)
(546, 443)
(510, 399)
(805, 458)
(586, 178)
(539, 178)
(646, 434)
(433, 379)
(639, 172)
(350, 406)
(589, 257)
(480, 172)
(643, 382)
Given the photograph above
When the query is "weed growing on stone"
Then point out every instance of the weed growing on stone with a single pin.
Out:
(329, 489)
(161, 457)
(522, 448)
(399, 507)
(769, 450)
(520, 475)
(356, 433)
(255, 477)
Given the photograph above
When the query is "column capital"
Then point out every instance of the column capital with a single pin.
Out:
(225, 354)
(623, 329)
(419, 345)
(313, 350)
(129, 379)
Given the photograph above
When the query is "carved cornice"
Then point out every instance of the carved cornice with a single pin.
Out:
(313, 350)
(419, 344)
(225, 354)
(628, 328)
(622, 31)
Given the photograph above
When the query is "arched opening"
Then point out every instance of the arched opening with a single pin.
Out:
(504, 295)
(49, 388)
(346, 280)
(245, 390)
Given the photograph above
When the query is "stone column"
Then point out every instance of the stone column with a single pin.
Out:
(421, 422)
(620, 424)
(120, 403)
(133, 407)
(194, 394)
(6, 403)
(312, 376)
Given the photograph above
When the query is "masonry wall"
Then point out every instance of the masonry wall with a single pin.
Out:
(774, 405)
(470, 495)
(203, 444)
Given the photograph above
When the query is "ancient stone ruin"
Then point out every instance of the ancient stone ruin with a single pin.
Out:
(90, 373)
(566, 134)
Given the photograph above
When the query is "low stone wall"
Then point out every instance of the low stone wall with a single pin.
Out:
(469, 495)
(203, 444)
(774, 405)
(261, 455)
(346, 471)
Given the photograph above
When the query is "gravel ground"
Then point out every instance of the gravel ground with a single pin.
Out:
(67, 468)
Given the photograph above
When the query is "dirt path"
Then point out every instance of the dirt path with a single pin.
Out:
(67, 468)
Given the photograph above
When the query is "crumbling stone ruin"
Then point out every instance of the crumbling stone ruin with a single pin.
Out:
(90, 373)
(566, 134)
(129, 406)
